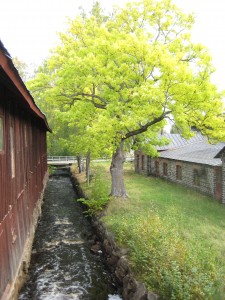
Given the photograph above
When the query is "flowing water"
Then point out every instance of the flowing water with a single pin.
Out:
(62, 265)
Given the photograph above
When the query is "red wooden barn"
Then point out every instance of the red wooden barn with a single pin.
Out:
(23, 173)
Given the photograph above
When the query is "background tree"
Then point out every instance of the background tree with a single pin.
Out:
(69, 136)
(26, 71)
(131, 71)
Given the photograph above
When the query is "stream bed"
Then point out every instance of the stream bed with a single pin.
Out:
(62, 265)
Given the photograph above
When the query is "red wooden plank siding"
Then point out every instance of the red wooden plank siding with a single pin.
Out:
(19, 194)
(23, 169)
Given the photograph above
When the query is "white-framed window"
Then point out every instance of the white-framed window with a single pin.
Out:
(12, 150)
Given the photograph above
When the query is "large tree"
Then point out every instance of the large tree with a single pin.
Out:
(129, 73)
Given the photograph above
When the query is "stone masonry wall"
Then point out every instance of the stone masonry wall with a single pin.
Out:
(206, 182)
(118, 263)
(223, 177)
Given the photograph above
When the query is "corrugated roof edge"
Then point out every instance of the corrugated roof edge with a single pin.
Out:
(190, 156)
(2, 47)
(9, 68)
(177, 141)
(219, 154)
(206, 162)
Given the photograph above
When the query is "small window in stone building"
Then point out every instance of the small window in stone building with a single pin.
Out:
(1, 134)
(156, 168)
(137, 159)
(196, 177)
(178, 172)
(165, 169)
(142, 162)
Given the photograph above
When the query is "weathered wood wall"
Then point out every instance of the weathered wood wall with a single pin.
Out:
(23, 169)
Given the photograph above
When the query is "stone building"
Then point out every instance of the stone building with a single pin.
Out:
(194, 163)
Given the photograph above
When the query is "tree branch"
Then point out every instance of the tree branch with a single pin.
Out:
(92, 96)
(146, 126)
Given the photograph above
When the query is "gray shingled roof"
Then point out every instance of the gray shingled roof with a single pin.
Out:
(196, 150)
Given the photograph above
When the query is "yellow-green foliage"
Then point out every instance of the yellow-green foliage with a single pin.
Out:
(118, 76)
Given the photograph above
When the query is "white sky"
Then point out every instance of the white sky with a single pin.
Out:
(28, 27)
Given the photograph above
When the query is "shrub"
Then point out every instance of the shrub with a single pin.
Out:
(98, 195)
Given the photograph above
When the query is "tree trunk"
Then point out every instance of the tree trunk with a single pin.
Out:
(79, 162)
(116, 169)
(88, 160)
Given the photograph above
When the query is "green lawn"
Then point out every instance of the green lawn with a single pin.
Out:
(191, 211)
(175, 236)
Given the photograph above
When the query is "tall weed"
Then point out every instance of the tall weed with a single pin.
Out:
(98, 195)
(168, 264)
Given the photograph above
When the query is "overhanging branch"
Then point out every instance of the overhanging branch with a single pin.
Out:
(75, 96)
(145, 127)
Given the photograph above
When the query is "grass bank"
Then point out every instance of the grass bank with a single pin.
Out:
(175, 236)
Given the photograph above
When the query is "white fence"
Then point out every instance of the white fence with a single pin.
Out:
(62, 158)
(73, 159)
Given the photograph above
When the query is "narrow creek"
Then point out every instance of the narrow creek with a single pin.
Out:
(62, 265)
